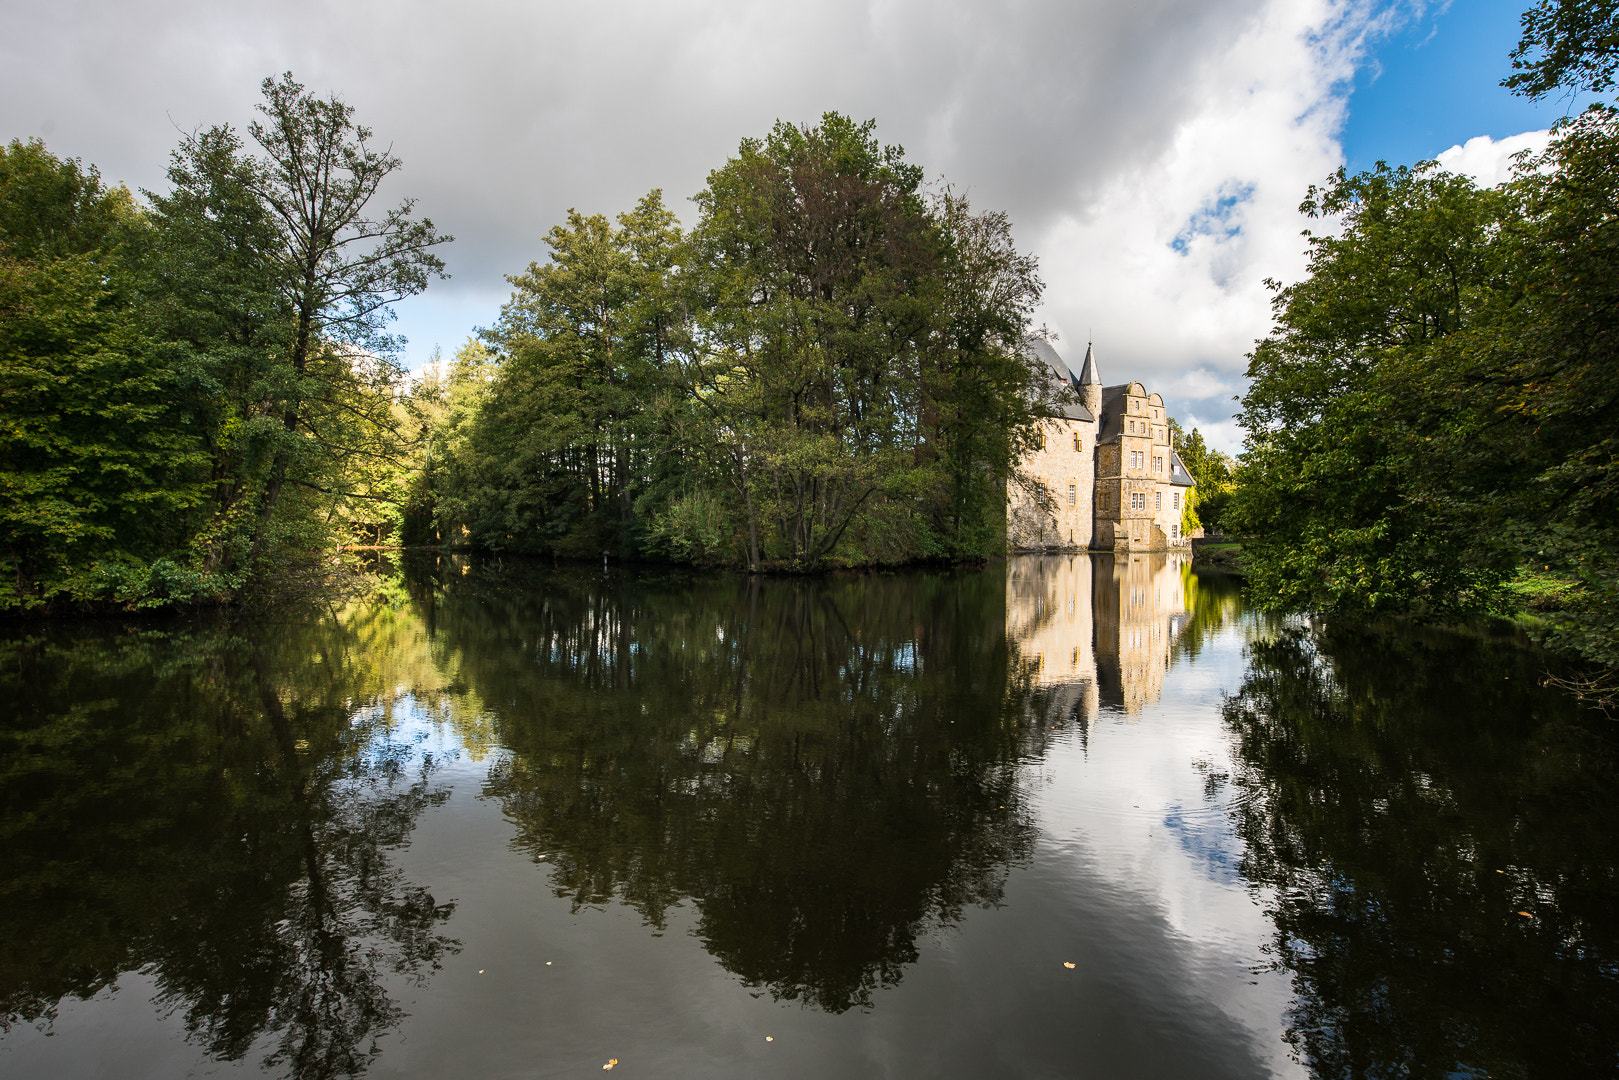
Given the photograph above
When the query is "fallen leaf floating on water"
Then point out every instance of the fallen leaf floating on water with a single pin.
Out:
(480, 971)
(1067, 963)
(610, 1063)
(769, 1039)
(1526, 915)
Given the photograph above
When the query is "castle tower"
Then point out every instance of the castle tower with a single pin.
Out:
(1090, 382)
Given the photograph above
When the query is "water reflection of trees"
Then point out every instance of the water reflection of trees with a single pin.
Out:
(822, 768)
(1411, 801)
(219, 814)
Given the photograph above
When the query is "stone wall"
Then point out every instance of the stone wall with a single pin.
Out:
(1067, 517)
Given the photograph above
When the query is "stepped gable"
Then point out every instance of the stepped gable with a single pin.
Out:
(1112, 425)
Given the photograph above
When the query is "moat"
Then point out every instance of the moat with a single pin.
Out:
(1076, 816)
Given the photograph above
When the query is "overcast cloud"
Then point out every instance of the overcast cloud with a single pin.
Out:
(1151, 153)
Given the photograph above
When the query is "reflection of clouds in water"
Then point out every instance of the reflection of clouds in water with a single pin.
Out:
(1134, 798)
(1209, 839)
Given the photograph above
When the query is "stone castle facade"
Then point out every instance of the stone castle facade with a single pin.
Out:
(1105, 476)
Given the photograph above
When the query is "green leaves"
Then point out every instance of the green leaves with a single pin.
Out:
(1436, 404)
(190, 407)
(95, 460)
(1568, 45)
(827, 371)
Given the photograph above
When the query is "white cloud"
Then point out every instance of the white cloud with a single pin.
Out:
(1152, 153)
(1165, 264)
(1489, 161)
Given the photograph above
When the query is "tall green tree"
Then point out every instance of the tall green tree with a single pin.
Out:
(1436, 407)
(582, 344)
(202, 391)
(1336, 429)
(339, 269)
(857, 354)
(980, 396)
(818, 252)
(96, 460)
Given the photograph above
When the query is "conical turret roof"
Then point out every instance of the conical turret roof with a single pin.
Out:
(1087, 374)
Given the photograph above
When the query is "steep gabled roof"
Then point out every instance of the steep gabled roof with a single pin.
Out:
(1041, 351)
(1112, 412)
(1178, 473)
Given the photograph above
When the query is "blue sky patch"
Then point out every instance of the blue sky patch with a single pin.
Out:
(1214, 218)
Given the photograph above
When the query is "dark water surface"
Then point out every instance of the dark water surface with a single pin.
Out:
(1061, 817)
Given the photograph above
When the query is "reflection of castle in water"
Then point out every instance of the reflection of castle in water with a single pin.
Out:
(1096, 629)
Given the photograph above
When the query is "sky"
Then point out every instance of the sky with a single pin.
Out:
(1151, 154)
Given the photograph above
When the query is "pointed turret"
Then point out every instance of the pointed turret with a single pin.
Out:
(1090, 382)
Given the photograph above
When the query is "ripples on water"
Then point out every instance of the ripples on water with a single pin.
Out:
(1065, 816)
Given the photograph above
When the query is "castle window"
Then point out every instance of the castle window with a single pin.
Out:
(1042, 440)
(1177, 500)
(1158, 500)
(1073, 494)
(1040, 493)
(1077, 446)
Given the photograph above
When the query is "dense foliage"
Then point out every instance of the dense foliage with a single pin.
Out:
(1437, 409)
(826, 370)
(1212, 473)
(198, 389)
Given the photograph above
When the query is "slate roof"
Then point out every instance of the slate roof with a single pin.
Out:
(1112, 425)
(1087, 374)
(1040, 349)
(1177, 472)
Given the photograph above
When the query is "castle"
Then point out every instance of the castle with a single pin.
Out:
(1104, 475)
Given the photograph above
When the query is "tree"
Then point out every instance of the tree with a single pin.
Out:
(562, 439)
(857, 354)
(813, 242)
(96, 460)
(1340, 435)
(981, 396)
(1211, 473)
(1566, 44)
(339, 270)
(1437, 405)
